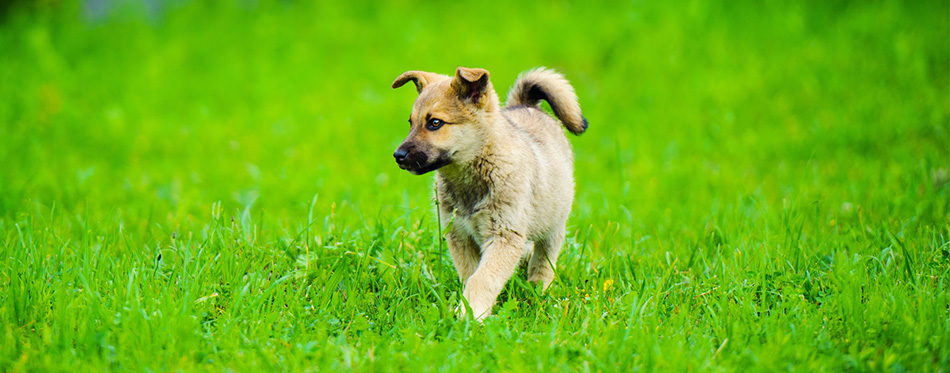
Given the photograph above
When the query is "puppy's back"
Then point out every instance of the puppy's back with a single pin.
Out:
(541, 129)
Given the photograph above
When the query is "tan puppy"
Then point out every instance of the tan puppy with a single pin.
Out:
(505, 176)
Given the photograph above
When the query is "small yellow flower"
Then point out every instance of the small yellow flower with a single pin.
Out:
(608, 284)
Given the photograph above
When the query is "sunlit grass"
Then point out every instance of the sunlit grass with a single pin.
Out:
(196, 186)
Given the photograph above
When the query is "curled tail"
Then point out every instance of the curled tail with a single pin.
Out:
(544, 84)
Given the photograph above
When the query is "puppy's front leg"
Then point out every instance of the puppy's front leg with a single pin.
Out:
(500, 256)
(465, 253)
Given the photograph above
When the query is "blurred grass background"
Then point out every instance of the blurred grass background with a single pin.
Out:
(181, 104)
(801, 133)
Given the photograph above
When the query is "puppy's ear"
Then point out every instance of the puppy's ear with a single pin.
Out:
(421, 78)
(471, 84)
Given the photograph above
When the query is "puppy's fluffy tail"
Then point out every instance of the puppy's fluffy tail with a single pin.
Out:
(544, 84)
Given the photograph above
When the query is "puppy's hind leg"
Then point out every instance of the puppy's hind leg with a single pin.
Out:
(544, 258)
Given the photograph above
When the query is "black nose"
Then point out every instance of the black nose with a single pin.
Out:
(400, 155)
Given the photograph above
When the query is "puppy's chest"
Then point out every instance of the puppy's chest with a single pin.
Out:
(464, 198)
(468, 206)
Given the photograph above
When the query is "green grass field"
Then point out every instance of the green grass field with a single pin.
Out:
(199, 185)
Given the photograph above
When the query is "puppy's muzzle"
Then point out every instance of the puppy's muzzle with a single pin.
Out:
(416, 161)
(409, 159)
(400, 155)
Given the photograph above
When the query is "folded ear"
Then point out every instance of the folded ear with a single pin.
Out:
(471, 84)
(421, 78)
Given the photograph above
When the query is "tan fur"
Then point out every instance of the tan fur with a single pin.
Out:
(505, 176)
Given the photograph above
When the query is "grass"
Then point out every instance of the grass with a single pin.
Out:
(209, 186)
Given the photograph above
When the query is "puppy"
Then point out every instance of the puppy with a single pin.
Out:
(504, 175)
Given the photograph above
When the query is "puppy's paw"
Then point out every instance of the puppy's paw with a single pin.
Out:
(479, 313)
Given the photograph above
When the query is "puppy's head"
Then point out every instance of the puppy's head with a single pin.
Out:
(447, 123)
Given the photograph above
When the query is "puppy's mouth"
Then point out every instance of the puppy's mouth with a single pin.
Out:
(419, 165)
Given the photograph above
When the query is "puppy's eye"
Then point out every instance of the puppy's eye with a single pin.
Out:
(434, 124)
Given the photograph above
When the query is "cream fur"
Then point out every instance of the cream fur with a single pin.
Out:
(509, 187)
